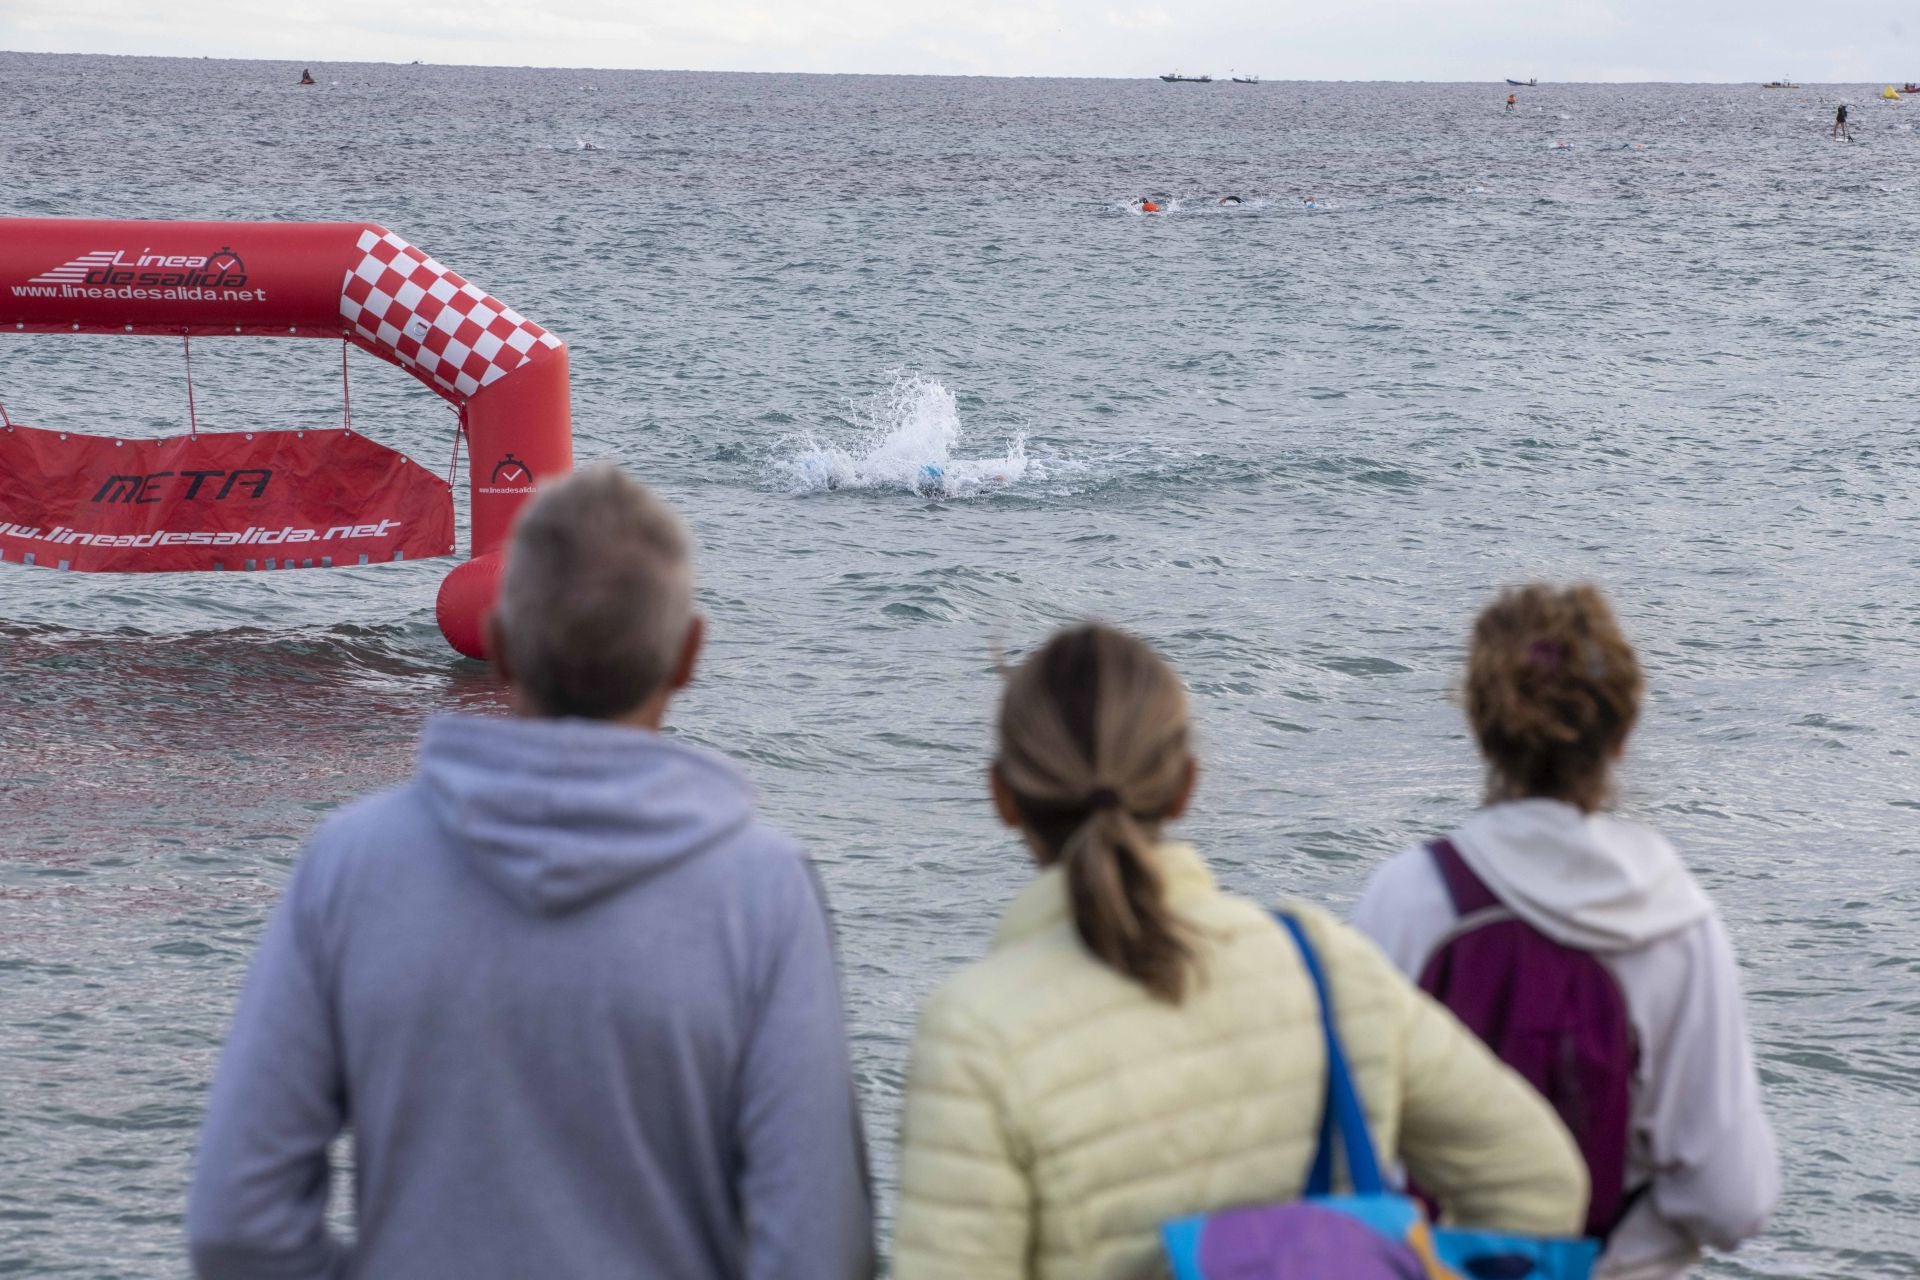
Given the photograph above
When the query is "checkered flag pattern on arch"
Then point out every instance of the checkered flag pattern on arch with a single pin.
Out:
(433, 322)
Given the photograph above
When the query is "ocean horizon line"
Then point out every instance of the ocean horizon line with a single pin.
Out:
(1264, 79)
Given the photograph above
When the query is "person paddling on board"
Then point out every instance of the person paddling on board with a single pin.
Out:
(1511, 99)
(306, 76)
(1840, 129)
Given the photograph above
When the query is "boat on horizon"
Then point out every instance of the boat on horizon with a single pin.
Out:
(1779, 84)
(1246, 79)
(1530, 83)
(1910, 87)
(1177, 78)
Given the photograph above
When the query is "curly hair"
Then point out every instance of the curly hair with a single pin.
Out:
(1552, 691)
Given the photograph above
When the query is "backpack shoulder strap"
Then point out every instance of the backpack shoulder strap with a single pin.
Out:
(1342, 1119)
(1468, 891)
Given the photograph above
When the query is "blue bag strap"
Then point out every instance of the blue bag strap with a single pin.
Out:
(1342, 1118)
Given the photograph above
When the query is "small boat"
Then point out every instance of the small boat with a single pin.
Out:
(1779, 84)
(1246, 79)
(1524, 84)
(1177, 78)
(1910, 87)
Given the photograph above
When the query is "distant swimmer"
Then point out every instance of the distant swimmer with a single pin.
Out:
(306, 76)
(1840, 129)
(1145, 205)
(1511, 99)
(1231, 200)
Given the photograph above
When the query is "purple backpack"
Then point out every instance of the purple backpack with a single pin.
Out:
(1551, 1012)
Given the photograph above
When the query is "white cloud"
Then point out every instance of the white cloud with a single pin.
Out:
(1282, 39)
(1141, 17)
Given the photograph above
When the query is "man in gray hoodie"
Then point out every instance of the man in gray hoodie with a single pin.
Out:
(577, 1004)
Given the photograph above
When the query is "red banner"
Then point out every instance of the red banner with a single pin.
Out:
(228, 500)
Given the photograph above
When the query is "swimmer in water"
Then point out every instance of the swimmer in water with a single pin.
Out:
(1145, 205)
(1840, 129)
(1231, 200)
(1511, 99)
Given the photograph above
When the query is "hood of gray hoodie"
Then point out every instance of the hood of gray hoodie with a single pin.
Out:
(557, 813)
(1588, 880)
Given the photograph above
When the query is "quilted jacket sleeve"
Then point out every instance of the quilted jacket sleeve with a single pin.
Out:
(1472, 1133)
(1477, 1137)
(965, 1208)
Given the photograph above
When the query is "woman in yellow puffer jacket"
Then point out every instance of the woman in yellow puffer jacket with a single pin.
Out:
(1139, 1045)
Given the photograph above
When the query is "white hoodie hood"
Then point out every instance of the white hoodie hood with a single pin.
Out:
(1588, 880)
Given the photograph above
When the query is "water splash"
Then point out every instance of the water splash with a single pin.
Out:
(912, 429)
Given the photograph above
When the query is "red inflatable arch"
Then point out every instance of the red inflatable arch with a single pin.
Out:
(276, 499)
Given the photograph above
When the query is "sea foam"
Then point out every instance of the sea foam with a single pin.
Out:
(906, 441)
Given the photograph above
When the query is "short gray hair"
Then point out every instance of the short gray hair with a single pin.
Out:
(597, 595)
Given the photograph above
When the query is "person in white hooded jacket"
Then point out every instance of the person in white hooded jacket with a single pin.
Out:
(1552, 691)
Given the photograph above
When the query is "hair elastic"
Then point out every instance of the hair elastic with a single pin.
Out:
(1104, 798)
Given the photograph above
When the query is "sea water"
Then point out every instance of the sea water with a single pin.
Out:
(927, 387)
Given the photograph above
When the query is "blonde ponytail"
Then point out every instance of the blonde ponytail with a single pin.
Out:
(1094, 749)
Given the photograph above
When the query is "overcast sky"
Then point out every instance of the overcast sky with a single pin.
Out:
(1694, 40)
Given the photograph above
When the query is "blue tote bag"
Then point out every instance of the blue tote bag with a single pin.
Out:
(1375, 1233)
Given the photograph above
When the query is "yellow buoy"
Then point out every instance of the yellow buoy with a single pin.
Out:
(1890, 93)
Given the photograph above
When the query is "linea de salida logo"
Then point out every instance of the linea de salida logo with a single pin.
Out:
(221, 269)
(510, 475)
